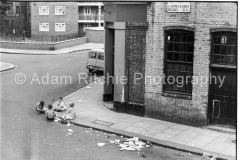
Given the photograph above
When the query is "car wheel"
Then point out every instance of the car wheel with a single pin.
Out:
(90, 70)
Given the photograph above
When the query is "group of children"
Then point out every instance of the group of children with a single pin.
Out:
(50, 111)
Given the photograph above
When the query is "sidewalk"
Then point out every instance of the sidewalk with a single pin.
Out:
(96, 114)
(85, 46)
(6, 66)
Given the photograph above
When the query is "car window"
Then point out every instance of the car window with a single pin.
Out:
(101, 56)
(92, 55)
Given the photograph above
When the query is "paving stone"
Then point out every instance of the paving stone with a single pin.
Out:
(230, 150)
(163, 136)
(171, 131)
(180, 127)
(159, 127)
(121, 125)
(143, 124)
(211, 134)
(217, 147)
(180, 139)
(188, 133)
(204, 138)
(196, 143)
(133, 129)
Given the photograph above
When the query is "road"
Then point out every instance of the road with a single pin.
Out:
(28, 136)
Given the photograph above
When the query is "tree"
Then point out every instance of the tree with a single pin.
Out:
(4, 7)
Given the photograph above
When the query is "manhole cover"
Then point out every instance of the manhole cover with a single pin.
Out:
(233, 141)
(103, 123)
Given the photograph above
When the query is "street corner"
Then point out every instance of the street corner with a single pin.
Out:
(6, 66)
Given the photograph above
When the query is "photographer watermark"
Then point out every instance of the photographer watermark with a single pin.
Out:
(136, 78)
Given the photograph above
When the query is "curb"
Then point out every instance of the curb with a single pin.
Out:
(9, 68)
(161, 143)
(43, 53)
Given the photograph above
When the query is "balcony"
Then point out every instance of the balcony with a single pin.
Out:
(90, 4)
(90, 18)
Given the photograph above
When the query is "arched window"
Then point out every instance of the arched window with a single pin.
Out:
(224, 48)
(179, 50)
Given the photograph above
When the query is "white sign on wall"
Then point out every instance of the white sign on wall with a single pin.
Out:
(178, 7)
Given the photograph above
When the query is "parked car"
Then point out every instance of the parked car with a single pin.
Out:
(95, 60)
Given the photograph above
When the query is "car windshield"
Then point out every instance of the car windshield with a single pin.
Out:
(92, 55)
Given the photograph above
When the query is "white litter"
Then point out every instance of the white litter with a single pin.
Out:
(88, 87)
(68, 134)
(101, 144)
(70, 130)
(87, 131)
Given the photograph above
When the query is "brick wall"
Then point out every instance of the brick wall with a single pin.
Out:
(135, 61)
(43, 46)
(95, 36)
(203, 16)
(71, 19)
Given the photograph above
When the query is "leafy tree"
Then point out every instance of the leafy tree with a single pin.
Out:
(4, 7)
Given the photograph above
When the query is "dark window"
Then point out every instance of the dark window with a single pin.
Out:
(101, 56)
(17, 10)
(6, 23)
(224, 48)
(179, 61)
(10, 11)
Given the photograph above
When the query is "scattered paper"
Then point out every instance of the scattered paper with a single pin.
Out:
(179, 154)
(88, 87)
(70, 130)
(101, 144)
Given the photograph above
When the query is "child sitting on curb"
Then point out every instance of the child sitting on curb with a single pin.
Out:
(50, 113)
(70, 114)
(60, 106)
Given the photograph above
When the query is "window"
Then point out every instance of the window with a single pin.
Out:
(10, 11)
(101, 56)
(224, 48)
(43, 26)
(17, 10)
(92, 55)
(60, 10)
(86, 26)
(60, 27)
(43, 10)
(179, 49)
(87, 10)
(6, 23)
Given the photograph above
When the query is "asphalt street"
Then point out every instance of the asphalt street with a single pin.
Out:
(28, 136)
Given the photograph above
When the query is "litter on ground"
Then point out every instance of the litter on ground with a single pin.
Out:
(179, 154)
(88, 87)
(101, 144)
(70, 130)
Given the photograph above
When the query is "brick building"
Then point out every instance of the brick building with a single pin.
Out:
(17, 19)
(52, 19)
(170, 60)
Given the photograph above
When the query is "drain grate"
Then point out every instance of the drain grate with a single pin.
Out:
(103, 123)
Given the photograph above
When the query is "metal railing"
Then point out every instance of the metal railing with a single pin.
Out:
(40, 37)
(91, 17)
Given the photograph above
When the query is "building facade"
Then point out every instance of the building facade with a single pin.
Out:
(180, 63)
(51, 19)
(90, 15)
(17, 19)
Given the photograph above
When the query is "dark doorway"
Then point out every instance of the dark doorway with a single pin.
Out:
(223, 97)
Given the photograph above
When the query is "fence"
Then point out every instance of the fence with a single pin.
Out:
(21, 37)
